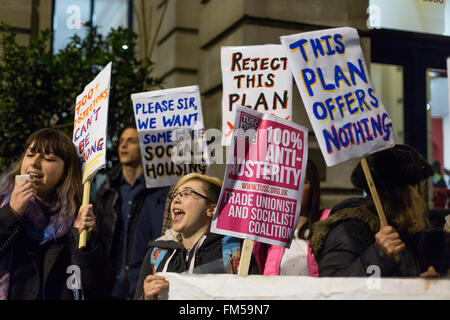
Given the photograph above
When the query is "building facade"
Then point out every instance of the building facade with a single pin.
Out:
(184, 37)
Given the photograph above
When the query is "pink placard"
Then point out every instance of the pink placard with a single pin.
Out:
(263, 183)
(285, 159)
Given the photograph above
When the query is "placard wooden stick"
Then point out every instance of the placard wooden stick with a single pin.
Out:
(86, 194)
(373, 191)
(246, 255)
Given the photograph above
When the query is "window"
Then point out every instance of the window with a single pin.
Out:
(439, 121)
(388, 82)
(70, 16)
(427, 16)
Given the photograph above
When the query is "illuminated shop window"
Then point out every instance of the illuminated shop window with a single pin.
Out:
(427, 16)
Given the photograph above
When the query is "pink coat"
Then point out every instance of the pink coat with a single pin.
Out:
(274, 254)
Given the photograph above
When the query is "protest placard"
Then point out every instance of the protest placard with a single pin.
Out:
(262, 189)
(90, 126)
(90, 131)
(345, 111)
(171, 134)
(257, 77)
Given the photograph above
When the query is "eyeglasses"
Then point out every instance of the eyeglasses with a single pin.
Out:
(187, 192)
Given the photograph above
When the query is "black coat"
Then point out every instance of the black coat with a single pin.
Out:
(42, 271)
(344, 245)
(208, 258)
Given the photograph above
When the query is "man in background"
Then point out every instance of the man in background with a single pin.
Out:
(132, 214)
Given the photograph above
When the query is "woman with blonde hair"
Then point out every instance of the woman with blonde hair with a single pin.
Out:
(189, 246)
(40, 218)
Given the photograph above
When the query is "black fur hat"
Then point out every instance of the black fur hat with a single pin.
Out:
(393, 167)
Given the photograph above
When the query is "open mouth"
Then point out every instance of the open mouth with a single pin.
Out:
(36, 177)
(177, 215)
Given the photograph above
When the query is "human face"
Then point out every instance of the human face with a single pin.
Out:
(129, 152)
(47, 171)
(191, 214)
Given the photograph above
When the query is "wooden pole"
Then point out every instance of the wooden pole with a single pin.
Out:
(86, 193)
(373, 191)
(375, 197)
(246, 255)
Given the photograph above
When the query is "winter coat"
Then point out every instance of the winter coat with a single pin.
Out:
(142, 227)
(46, 271)
(344, 246)
(208, 256)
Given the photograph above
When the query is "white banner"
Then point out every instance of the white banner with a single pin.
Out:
(257, 287)
(346, 113)
(90, 125)
(257, 77)
(171, 134)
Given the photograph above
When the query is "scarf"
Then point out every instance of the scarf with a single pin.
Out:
(37, 226)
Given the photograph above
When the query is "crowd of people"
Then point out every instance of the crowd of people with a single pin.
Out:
(136, 232)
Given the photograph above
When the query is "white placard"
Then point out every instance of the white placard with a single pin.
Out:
(257, 77)
(167, 121)
(345, 111)
(91, 122)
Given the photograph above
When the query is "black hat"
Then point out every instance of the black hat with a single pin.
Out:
(393, 167)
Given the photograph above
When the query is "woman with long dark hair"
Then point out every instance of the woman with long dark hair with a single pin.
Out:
(352, 240)
(40, 218)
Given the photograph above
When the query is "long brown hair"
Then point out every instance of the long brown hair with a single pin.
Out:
(406, 208)
(69, 190)
(312, 209)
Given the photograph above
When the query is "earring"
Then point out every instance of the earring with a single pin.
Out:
(210, 211)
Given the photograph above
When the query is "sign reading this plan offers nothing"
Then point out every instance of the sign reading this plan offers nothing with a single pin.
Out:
(90, 125)
(256, 77)
(169, 121)
(346, 113)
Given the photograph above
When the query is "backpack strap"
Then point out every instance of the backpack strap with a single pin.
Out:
(156, 257)
(231, 254)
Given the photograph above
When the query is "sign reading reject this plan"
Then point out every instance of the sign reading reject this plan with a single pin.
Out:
(256, 77)
(346, 113)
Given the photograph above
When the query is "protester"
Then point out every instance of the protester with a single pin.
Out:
(441, 195)
(438, 180)
(189, 246)
(39, 258)
(351, 240)
(132, 214)
(298, 259)
(167, 219)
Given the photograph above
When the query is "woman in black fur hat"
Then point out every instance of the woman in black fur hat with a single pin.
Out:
(351, 240)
